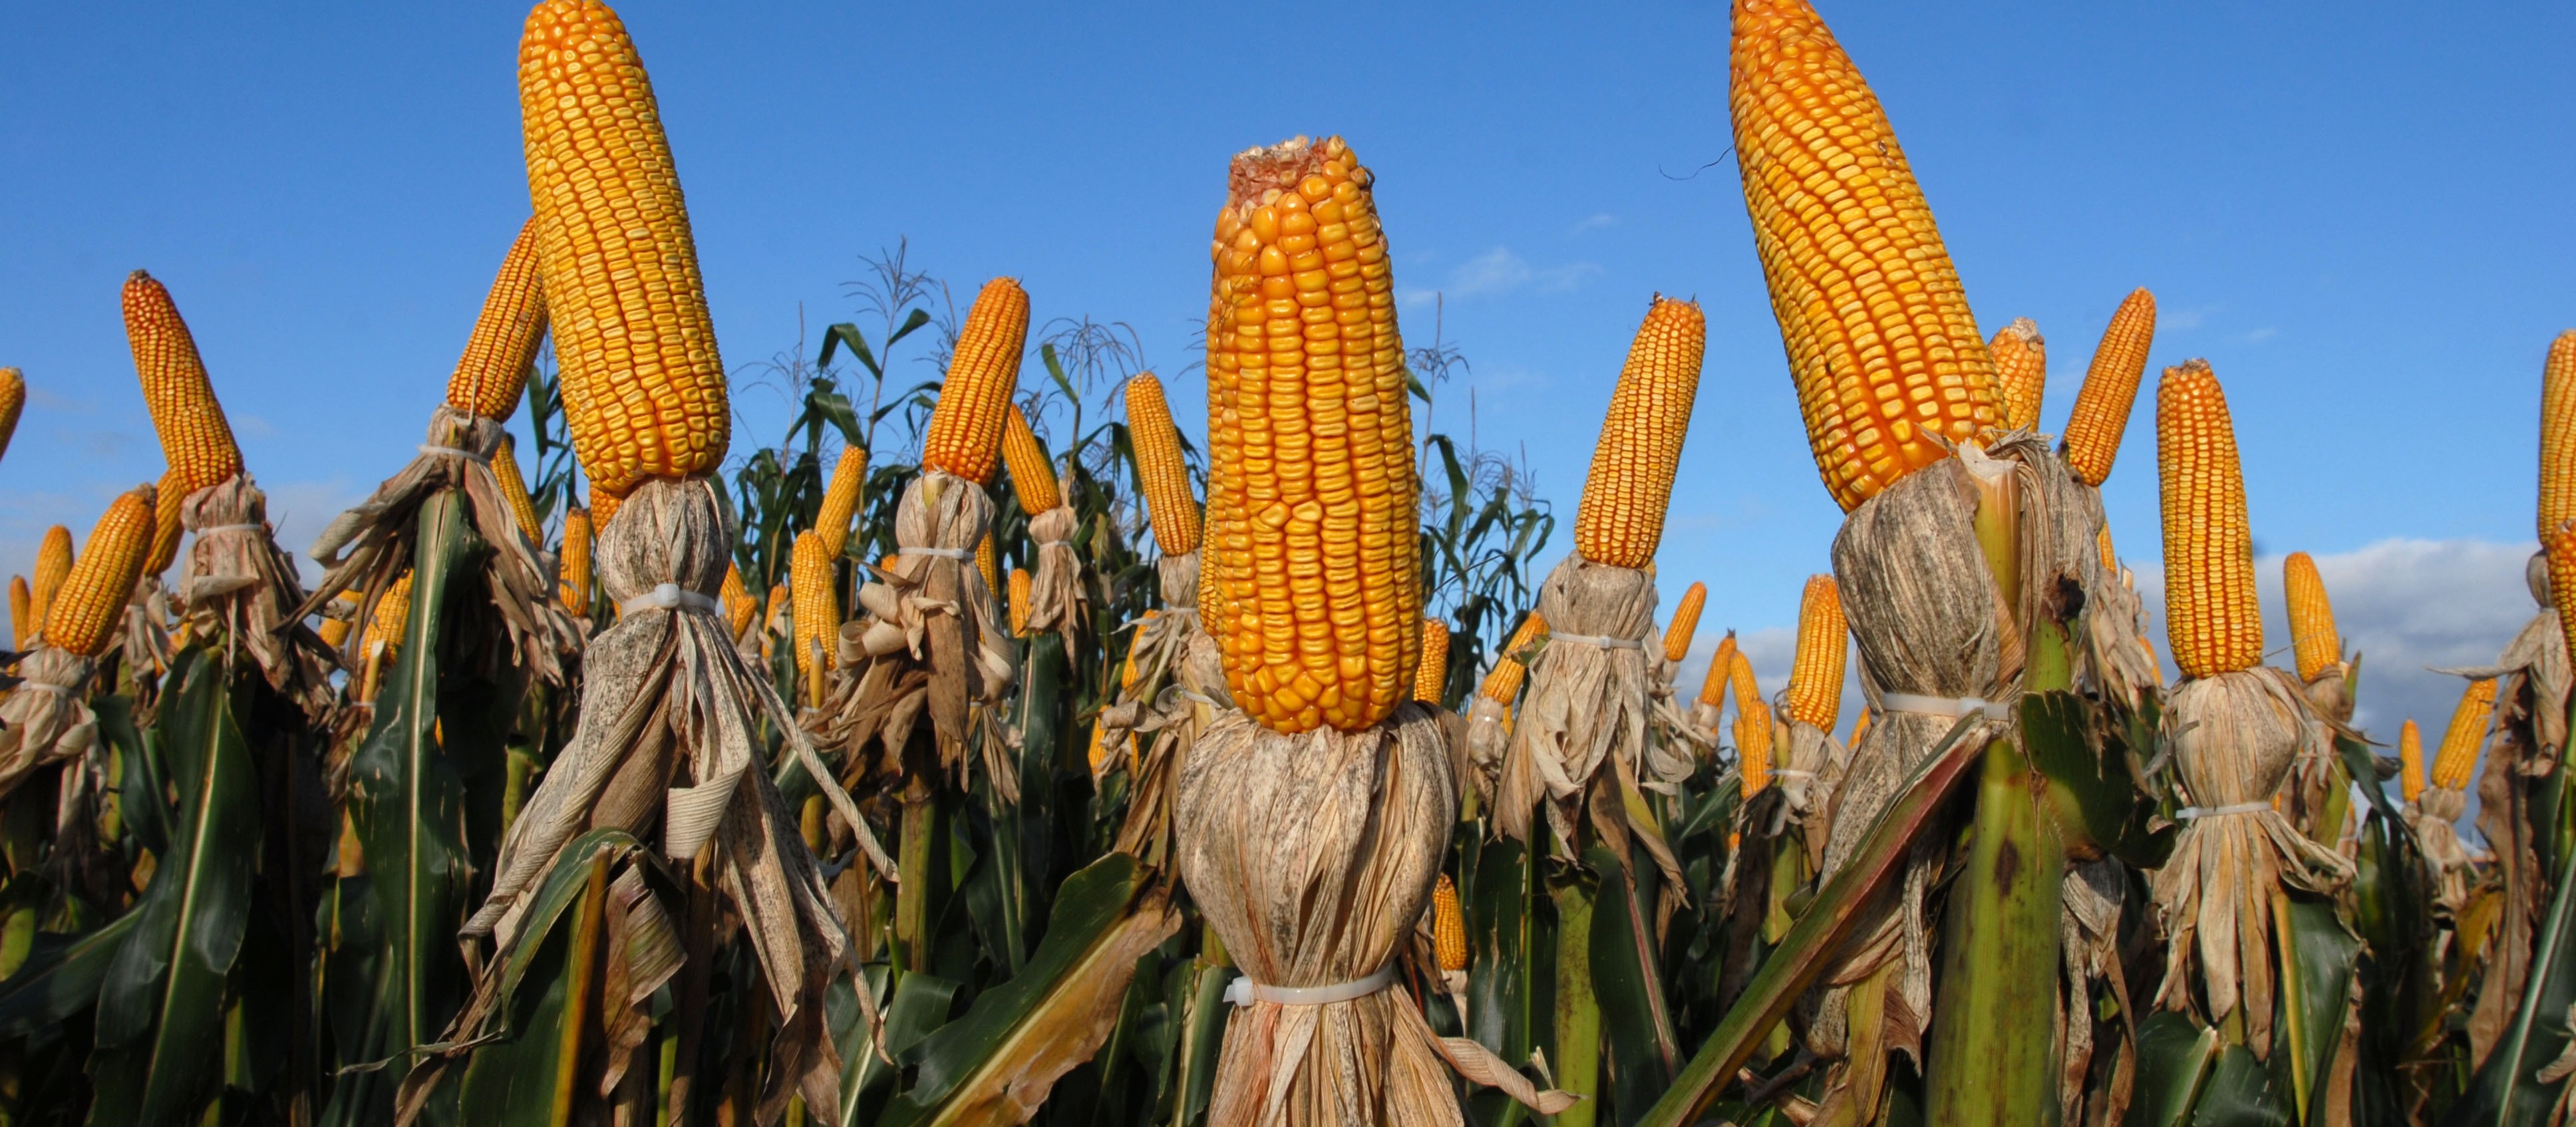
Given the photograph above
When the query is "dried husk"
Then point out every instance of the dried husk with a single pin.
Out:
(2234, 737)
(669, 740)
(1178, 693)
(2435, 817)
(47, 715)
(364, 548)
(144, 640)
(1587, 703)
(2089, 932)
(1810, 765)
(1057, 600)
(1313, 856)
(237, 580)
(2530, 730)
(2112, 658)
(1487, 740)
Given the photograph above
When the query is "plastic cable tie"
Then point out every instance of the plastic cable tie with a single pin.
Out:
(942, 553)
(669, 596)
(1944, 706)
(41, 687)
(1244, 991)
(1597, 640)
(2190, 812)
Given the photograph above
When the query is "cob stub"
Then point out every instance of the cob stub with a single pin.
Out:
(196, 441)
(1168, 500)
(13, 401)
(1032, 478)
(1311, 563)
(1431, 675)
(1816, 676)
(1885, 355)
(2101, 415)
(2021, 372)
(1677, 633)
(2211, 618)
(494, 369)
(2312, 625)
(1620, 520)
(2467, 733)
(53, 565)
(643, 386)
(841, 499)
(2558, 434)
(85, 613)
(965, 433)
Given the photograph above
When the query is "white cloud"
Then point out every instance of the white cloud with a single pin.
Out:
(2185, 318)
(1593, 222)
(2260, 335)
(1499, 271)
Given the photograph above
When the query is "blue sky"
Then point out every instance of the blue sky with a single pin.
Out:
(2357, 212)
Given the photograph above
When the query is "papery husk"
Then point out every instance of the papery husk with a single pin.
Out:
(1057, 599)
(2111, 659)
(364, 548)
(2234, 737)
(669, 739)
(930, 641)
(1587, 704)
(1487, 740)
(238, 581)
(1179, 691)
(1312, 856)
(2089, 933)
(1810, 764)
(47, 716)
(2435, 817)
(144, 640)
(2530, 730)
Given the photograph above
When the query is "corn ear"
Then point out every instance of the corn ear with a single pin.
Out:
(83, 616)
(1168, 500)
(2467, 733)
(966, 426)
(1620, 520)
(493, 371)
(2021, 372)
(2101, 415)
(1032, 477)
(1677, 633)
(1816, 676)
(2211, 617)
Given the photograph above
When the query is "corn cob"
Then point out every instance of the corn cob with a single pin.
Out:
(1019, 602)
(983, 369)
(818, 615)
(2410, 763)
(1431, 676)
(1032, 478)
(603, 506)
(2110, 388)
(1739, 675)
(2102, 541)
(643, 385)
(21, 612)
(393, 614)
(84, 614)
(2021, 372)
(1448, 926)
(1312, 585)
(1620, 520)
(1712, 688)
(167, 528)
(514, 490)
(1677, 633)
(1175, 511)
(841, 499)
(1126, 680)
(195, 440)
(1881, 345)
(1503, 681)
(2558, 434)
(986, 564)
(2312, 624)
(335, 622)
(53, 565)
(1753, 745)
(2467, 733)
(13, 400)
(2211, 618)
(576, 561)
(740, 608)
(1099, 752)
(1816, 677)
(1860, 724)
(494, 369)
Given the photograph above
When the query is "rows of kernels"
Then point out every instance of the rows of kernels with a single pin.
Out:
(965, 433)
(2467, 733)
(2101, 414)
(1032, 478)
(1168, 500)
(1503, 681)
(1816, 674)
(2211, 618)
(2021, 372)
(2558, 434)
(1677, 633)
(576, 560)
(90, 605)
(1620, 519)
(1431, 675)
(2312, 626)
(53, 565)
(494, 369)
(514, 491)
(196, 441)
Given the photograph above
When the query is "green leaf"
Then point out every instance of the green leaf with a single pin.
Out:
(2089, 780)
(1628, 983)
(920, 1006)
(2322, 954)
(2243, 1092)
(60, 977)
(2507, 1089)
(1998, 958)
(2175, 1055)
(846, 335)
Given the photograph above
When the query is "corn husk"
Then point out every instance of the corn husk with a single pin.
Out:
(669, 741)
(2089, 932)
(47, 716)
(1179, 691)
(1057, 600)
(2435, 818)
(145, 641)
(2234, 737)
(364, 548)
(237, 580)
(2111, 658)
(1587, 703)
(1313, 856)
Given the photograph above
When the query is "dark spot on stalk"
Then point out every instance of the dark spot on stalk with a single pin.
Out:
(2007, 864)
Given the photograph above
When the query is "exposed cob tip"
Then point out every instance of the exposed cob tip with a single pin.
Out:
(2021, 372)
(514, 491)
(2467, 733)
(841, 499)
(53, 566)
(2211, 617)
(13, 401)
(575, 561)
(2410, 762)
(2312, 626)
(1620, 520)
(196, 441)
(1168, 500)
(1448, 926)
(494, 369)
(84, 614)
(1032, 478)
(1816, 676)
(1431, 674)
(393, 614)
(2110, 389)
(1883, 350)
(1721, 669)
(1685, 623)
(2558, 434)
(1019, 602)
(643, 385)
(1503, 682)
(965, 434)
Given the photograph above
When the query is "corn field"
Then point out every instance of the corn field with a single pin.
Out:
(983, 750)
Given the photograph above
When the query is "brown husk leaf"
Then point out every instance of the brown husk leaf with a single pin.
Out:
(1587, 704)
(2435, 817)
(1057, 600)
(47, 717)
(238, 581)
(2530, 730)
(1179, 691)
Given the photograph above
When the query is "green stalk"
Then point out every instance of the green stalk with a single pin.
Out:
(919, 850)
(1578, 1011)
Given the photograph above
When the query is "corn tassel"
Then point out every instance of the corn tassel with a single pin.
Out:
(2211, 618)
(1032, 478)
(53, 565)
(2558, 434)
(1816, 676)
(2021, 372)
(196, 441)
(1168, 500)
(494, 369)
(1677, 633)
(965, 431)
(2101, 415)
(83, 615)
(1431, 677)
(2467, 733)
(1620, 520)
(2312, 625)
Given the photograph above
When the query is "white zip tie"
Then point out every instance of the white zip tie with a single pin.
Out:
(1791, 773)
(41, 687)
(1944, 706)
(232, 528)
(942, 553)
(453, 452)
(2190, 812)
(1244, 991)
(1596, 640)
(670, 596)
(1055, 543)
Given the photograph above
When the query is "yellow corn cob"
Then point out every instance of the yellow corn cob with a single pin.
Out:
(335, 622)
(643, 385)
(393, 614)
(494, 369)
(2211, 617)
(1712, 688)
(1753, 745)
(1099, 753)
(1312, 584)
(2558, 434)
(1448, 926)
(514, 490)
(1503, 681)
(966, 427)
(1860, 724)
(2312, 624)
(195, 440)
(1032, 478)
(13, 400)
(2560, 545)
(1431, 677)
(987, 564)
(85, 613)
(1019, 602)
(166, 525)
(778, 622)
(1816, 677)
(739, 606)
(1621, 517)
(603, 506)
(576, 560)
(841, 499)
(1677, 633)
(817, 609)
(2021, 372)
(2467, 733)
(2410, 762)
(1881, 345)
(2102, 540)
(1126, 680)
(21, 612)
(2110, 388)
(53, 565)
(1748, 692)
(1175, 511)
